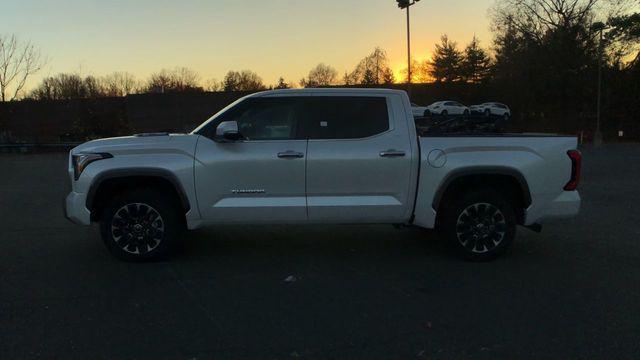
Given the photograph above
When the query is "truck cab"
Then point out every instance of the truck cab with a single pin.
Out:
(329, 156)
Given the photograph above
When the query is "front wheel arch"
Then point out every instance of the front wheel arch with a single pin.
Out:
(110, 184)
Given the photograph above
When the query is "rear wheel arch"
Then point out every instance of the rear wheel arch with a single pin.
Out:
(507, 181)
(111, 183)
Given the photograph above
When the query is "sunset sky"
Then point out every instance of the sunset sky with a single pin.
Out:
(273, 38)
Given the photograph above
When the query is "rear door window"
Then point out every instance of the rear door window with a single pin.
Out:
(346, 117)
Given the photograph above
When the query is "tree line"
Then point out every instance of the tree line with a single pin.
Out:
(544, 58)
(371, 70)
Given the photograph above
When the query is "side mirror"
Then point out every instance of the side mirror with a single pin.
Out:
(227, 131)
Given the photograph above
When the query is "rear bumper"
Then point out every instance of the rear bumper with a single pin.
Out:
(76, 210)
(565, 205)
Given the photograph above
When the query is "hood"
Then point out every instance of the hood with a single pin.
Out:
(141, 143)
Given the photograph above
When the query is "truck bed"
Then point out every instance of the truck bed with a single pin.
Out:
(467, 126)
(540, 161)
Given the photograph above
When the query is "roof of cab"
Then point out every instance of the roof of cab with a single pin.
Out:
(327, 91)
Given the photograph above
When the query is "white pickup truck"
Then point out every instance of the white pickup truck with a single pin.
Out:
(321, 156)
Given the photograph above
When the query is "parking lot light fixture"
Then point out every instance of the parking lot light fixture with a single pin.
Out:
(406, 4)
(599, 27)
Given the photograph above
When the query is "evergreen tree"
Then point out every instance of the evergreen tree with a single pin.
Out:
(446, 63)
(476, 63)
(282, 84)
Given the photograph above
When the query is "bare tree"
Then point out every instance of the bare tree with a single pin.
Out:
(159, 82)
(118, 84)
(93, 87)
(374, 69)
(535, 18)
(66, 86)
(245, 80)
(321, 75)
(186, 79)
(213, 85)
(18, 61)
(180, 79)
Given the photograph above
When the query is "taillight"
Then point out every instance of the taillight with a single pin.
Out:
(576, 169)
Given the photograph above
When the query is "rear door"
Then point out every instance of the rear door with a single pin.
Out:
(358, 159)
(261, 178)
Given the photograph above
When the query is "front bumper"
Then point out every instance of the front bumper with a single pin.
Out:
(76, 210)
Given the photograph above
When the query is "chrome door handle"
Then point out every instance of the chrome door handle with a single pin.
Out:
(392, 153)
(290, 155)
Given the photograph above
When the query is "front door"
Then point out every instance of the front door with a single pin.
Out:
(260, 178)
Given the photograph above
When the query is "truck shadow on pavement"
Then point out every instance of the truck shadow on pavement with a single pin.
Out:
(282, 242)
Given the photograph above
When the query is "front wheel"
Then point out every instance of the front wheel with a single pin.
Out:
(141, 225)
(480, 225)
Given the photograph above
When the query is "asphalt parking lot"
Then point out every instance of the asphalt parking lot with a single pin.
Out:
(357, 291)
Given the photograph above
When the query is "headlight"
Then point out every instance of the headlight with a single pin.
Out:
(81, 161)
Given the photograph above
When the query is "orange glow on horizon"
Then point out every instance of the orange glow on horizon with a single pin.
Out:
(271, 38)
(400, 68)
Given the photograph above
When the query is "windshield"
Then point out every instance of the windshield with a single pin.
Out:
(201, 126)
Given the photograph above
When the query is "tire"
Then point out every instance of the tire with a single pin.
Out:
(506, 116)
(426, 113)
(444, 113)
(141, 225)
(465, 113)
(487, 113)
(480, 225)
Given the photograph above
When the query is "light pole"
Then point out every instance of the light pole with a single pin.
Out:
(406, 4)
(597, 137)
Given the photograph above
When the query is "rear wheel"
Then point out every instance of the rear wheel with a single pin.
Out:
(444, 113)
(141, 225)
(480, 225)
(487, 113)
